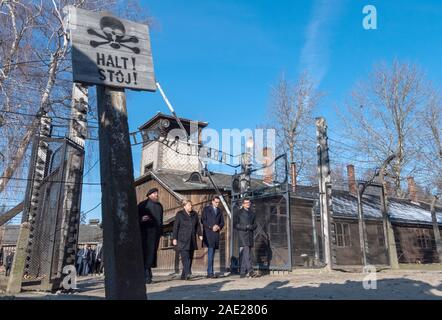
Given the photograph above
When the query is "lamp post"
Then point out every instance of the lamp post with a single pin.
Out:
(246, 166)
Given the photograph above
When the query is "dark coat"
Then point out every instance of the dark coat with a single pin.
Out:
(9, 259)
(151, 230)
(185, 229)
(208, 219)
(244, 223)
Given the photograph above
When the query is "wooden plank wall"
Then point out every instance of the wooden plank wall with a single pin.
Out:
(302, 233)
(351, 255)
(408, 249)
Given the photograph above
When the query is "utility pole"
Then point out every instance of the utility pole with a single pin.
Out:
(124, 272)
(388, 228)
(436, 228)
(325, 192)
(362, 186)
(361, 224)
(36, 174)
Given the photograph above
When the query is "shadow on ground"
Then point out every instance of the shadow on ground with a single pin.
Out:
(352, 290)
(233, 288)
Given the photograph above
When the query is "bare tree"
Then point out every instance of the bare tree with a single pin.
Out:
(291, 114)
(430, 138)
(381, 119)
(35, 71)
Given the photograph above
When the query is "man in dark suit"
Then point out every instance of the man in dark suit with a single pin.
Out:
(244, 223)
(98, 259)
(150, 212)
(9, 260)
(213, 222)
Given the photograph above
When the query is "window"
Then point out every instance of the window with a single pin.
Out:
(148, 167)
(195, 177)
(423, 238)
(342, 234)
(278, 210)
(167, 240)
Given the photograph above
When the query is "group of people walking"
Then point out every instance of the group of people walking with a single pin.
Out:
(89, 261)
(187, 230)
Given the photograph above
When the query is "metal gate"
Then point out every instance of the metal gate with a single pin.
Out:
(270, 203)
(54, 224)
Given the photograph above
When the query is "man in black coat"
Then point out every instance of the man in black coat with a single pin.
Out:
(244, 223)
(8, 263)
(98, 267)
(213, 222)
(150, 212)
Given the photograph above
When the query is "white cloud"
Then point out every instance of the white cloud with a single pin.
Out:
(315, 54)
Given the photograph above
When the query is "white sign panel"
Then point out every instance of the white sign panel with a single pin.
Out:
(109, 51)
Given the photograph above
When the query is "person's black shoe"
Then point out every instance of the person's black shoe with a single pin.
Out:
(210, 276)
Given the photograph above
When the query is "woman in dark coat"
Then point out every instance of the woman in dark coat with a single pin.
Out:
(185, 230)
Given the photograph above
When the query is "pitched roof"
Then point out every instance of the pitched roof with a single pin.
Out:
(179, 180)
(90, 234)
(345, 204)
(160, 115)
(10, 235)
(87, 234)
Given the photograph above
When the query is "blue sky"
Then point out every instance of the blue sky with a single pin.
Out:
(217, 60)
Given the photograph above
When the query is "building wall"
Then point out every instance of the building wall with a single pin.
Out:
(350, 254)
(302, 241)
(170, 159)
(408, 248)
(149, 154)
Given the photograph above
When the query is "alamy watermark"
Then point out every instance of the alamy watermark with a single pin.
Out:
(70, 280)
(370, 278)
(370, 20)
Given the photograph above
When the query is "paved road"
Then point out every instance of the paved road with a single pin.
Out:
(301, 284)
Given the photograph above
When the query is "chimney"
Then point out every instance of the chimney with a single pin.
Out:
(351, 179)
(388, 188)
(94, 222)
(268, 168)
(412, 190)
(293, 176)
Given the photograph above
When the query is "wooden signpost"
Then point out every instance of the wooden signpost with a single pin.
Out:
(114, 54)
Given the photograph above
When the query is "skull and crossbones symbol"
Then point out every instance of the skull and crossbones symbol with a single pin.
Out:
(114, 34)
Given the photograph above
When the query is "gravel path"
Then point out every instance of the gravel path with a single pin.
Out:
(300, 284)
